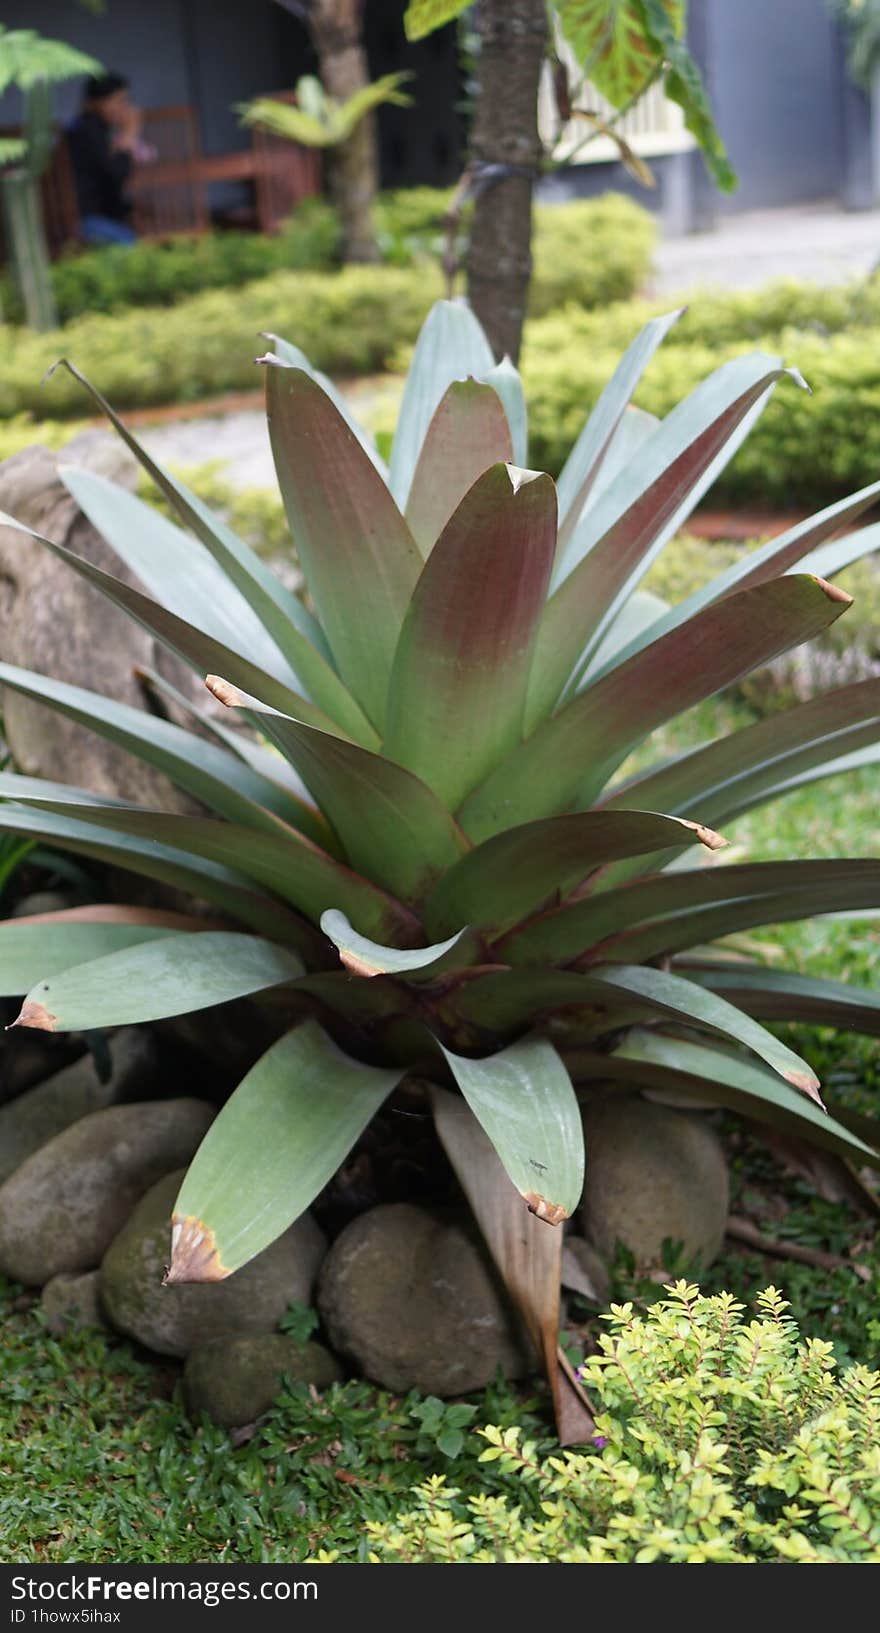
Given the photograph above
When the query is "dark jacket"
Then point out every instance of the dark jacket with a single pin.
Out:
(100, 171)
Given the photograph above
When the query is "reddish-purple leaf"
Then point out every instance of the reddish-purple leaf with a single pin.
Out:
(458, 685)
(469, 432)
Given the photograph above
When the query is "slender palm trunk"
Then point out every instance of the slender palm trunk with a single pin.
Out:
(354, 165)
(504, 155)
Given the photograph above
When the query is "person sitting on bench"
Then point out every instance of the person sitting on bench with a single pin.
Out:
(105, 142)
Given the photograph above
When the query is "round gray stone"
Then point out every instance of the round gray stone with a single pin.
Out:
(36, 1116)
(62, 1207)
(72, 1302)
(653, 1174)
(413, 1298)
(234, 1380)
(174, 1320)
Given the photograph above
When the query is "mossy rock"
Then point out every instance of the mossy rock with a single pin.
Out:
(654, 1175)
(72, 1302)
(62, 1207)
(235, 1380)
(412, 1297)
(175, 1320)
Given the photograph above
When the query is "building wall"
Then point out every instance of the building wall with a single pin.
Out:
(775, 74)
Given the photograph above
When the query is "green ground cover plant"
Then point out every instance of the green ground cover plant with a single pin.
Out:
(720, 1440)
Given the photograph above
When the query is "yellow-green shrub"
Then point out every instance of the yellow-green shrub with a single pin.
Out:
(720, 1441)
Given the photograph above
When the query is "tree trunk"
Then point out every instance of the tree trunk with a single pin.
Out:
(354, 165)
(513, 40)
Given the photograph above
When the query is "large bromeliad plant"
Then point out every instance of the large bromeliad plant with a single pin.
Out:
(445, 871)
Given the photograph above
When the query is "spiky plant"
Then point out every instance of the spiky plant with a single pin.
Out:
(442, 869)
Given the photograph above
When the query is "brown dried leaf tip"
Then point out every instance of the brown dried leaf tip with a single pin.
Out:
(552, 1213)
(35, 1016)
(359, 966)
(194, 1255)
(224, 691)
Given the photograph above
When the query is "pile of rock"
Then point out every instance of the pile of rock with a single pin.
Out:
(408, 1297)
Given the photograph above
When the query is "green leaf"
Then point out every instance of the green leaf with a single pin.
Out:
(528, 1256)
(725, 1079)
(780, 995)
(682, 84)
(27, 57)
(639, 616)
(369, 959)
(201, 651)
(522, 1097)
(573, 754)
(513, 873)
(289, 865)
(621, 535)
(29, 951)
(356, 551)
(802, 546)
(391, 825)
(183, 870)
(208, 772)
(295, 632)
(737, 772)
(469, 432)
(461, 670)
(451, 346)
(612, 46)
(684, 1000)
(174, 568)
(424, 16)
(290, 354)
(275, 1144)
(505, 378)
(171, 975)
(584, 464)
(673, 911)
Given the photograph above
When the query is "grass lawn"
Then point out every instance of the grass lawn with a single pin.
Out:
(98, 1462)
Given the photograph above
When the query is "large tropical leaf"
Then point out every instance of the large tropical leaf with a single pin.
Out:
(782, 995)
(288, 353)
(173, 974)
(505, 378)
(681, 1067)
(420, 964)
(296, 633)
(469, 432)
(451, 346)
(512, 874)
(677, 910)
(184, 870)
(289, 865)
(355, 549)
(390, 823)
(592, 448)
(461, 669)
(619, 537)
(522, 1097)
(617, 995)
(807, 545)
(274, 1146)
(572, 755)
(31, 950)
(528, 1255)
(211, 774)
(196, 648)
(725, 778)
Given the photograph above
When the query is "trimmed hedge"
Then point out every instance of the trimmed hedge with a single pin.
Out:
(349, 322)
(163, 272)
(591, 251)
